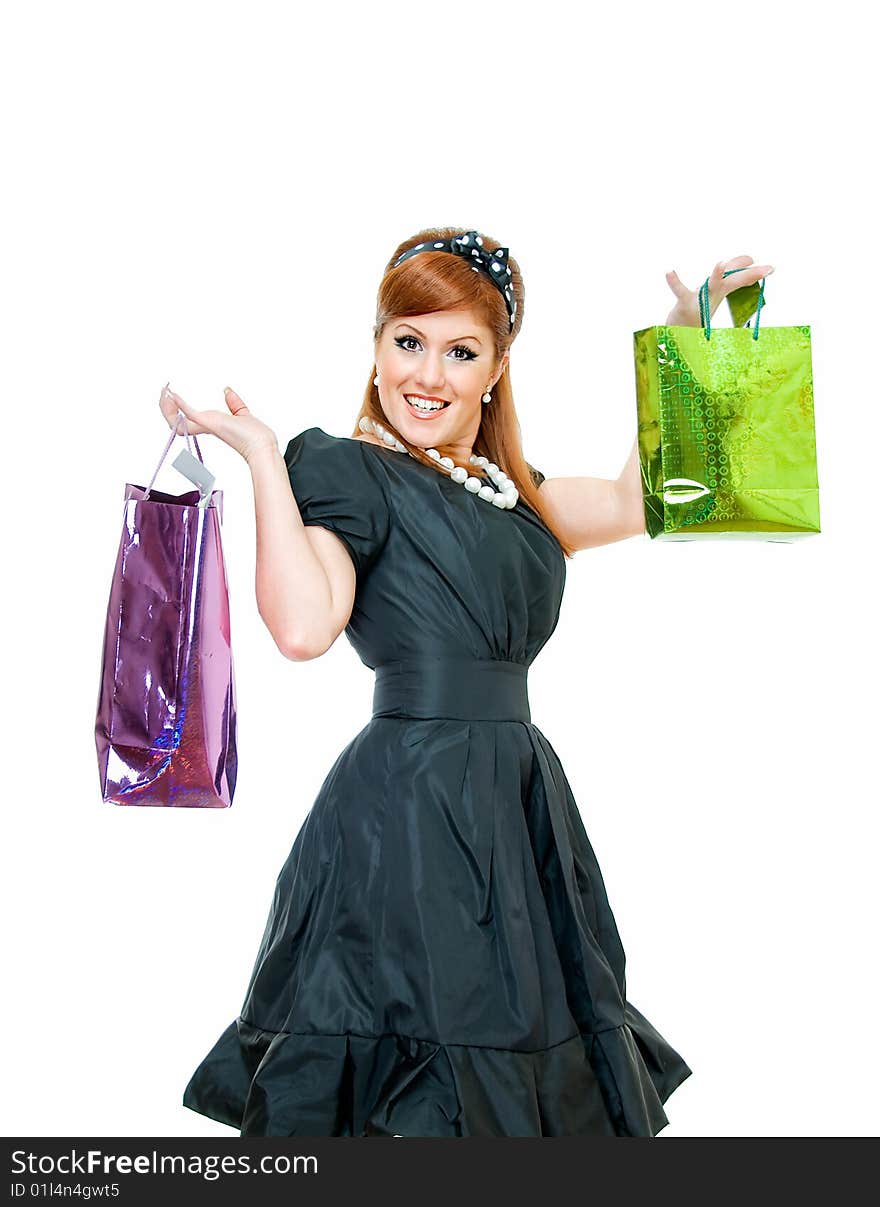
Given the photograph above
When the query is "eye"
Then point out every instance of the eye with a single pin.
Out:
(469, 354)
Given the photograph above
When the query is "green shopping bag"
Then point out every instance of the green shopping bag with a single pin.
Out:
(727, 442)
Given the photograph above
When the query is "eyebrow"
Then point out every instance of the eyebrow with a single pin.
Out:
(452, 341)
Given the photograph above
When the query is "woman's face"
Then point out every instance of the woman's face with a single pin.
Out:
(447, 356)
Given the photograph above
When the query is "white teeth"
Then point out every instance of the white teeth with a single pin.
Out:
(422, 404)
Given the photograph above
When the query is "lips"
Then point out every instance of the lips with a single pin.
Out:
(425, 414)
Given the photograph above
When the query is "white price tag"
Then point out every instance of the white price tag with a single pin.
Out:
(193, 469)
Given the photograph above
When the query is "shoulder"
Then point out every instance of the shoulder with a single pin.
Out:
(342, 464)
(316, 438)
(337, 484)
(316, 449)
(319, 440)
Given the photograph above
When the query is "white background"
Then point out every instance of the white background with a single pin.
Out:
(208, 193)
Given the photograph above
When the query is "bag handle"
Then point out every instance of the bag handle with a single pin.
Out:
(175, 432)
(704, 304)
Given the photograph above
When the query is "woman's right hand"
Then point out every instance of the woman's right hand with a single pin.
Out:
(238, 427)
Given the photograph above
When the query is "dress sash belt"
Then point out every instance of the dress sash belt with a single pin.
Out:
(467, 689)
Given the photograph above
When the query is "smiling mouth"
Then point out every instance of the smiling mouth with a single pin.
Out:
(430, 409)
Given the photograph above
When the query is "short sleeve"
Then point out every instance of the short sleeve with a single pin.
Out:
(336, 487)
(537, 476)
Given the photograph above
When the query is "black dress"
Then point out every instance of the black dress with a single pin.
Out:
(440, 958)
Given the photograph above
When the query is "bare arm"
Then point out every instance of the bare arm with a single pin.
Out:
(598, 511)
(305, 579)
(630, 501)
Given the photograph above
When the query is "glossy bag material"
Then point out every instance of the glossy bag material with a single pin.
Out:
(727, 441)
(166, 720)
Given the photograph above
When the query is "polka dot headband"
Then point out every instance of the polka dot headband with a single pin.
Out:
(470, 245)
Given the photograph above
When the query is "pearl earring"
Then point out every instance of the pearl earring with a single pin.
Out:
(376, 380)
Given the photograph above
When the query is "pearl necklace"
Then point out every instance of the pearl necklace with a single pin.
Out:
(506, 495)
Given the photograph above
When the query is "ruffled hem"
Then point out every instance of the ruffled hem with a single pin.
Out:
(277, 1083)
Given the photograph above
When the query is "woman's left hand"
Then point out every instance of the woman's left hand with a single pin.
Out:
(686, 311)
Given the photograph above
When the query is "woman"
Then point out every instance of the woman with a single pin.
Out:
(440, 957)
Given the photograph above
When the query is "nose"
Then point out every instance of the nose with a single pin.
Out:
(430, 377)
